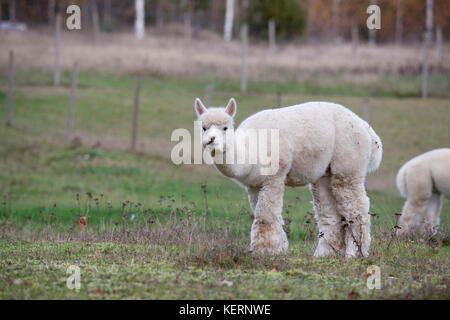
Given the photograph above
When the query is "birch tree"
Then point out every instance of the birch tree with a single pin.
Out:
(229, 16)
(139, 22)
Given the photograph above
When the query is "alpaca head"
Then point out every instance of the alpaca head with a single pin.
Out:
(216, 124)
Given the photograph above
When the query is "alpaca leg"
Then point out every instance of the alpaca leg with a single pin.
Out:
(413, 216)
(431, 224)
(419, 189)
(253, 197)
(331, 233)
(267, 235)
(353, 204)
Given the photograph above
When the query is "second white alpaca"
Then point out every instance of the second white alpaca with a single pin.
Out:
(423, 180)
(322, 144)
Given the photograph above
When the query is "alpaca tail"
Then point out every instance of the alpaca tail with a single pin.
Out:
(377, 151)
(401, 181)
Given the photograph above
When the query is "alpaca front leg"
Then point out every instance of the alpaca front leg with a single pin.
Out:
(267, 235)
(413, 216)
(353, 204)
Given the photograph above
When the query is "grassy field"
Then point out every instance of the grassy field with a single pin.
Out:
(160, 231)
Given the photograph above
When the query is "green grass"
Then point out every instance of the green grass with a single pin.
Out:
(141, 208)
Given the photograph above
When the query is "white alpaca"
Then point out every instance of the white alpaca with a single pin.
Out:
(320, 143)
(423, 180)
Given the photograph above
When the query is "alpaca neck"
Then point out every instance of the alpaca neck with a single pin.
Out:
(233, 170)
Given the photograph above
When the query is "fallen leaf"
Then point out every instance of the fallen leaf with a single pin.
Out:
(98, 291)
(353, 294)
(28, 283)
(97, 254)
(365, 276)
(82, 223)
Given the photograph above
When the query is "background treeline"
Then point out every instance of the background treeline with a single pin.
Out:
(313, 20)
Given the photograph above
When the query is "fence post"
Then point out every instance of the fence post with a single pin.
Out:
(279, 99)
(73, 90)
(10, 89)
(272, 35)
(135, 114)
(244, 36)
(208, 94)
(355, 38)
(366, 110)
(56, 71)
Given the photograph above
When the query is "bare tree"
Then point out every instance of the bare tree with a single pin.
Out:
(229, 16)
(372, 32)
(335, 14)
(95, 19)
(160, 14)
(399, 23)
(426, 47)
(51, 12)
(139, 22)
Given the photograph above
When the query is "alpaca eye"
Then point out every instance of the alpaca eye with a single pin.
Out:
(225, 128)
(204, 129)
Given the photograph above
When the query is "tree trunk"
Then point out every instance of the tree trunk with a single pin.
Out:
(95, 20)
(139, 22)
(229, 16)
(51, 12)
(428, 35)
(160, 14)
(399, 23)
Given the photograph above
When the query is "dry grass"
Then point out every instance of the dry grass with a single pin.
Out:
(175, 56)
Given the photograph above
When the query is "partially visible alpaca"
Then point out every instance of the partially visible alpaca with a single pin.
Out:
(320, 143)
(423, 180)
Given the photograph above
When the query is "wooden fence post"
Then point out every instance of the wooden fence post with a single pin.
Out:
(366, 110)
(73, 90)
(244, 36)
(272, 35)
(10, 89)
(135, 114)
(56, 71)
(279, 99)
(208, 94)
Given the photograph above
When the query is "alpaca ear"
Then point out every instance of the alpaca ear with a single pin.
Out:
(231, 107)
(199, 107)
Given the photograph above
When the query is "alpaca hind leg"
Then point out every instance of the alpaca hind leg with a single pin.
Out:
(331, 233)
(431, 224)
(267, 235)
(353, 204)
